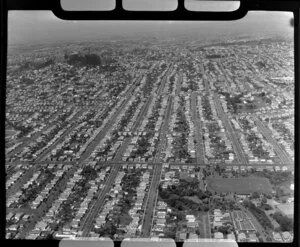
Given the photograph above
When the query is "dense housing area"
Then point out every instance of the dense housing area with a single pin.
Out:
(147, 138)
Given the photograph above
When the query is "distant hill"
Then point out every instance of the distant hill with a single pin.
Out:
(83, 59)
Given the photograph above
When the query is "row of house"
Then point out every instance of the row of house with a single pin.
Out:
(135, 224)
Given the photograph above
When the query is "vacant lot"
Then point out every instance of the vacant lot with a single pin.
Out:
(239, 185)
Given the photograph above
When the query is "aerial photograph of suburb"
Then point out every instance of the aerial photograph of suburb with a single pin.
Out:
(150, 129)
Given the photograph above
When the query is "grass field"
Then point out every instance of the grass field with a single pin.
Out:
(239, 185)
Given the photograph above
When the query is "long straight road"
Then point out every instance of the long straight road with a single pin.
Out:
(153, 190)
(237, 147)
(158, 163)
(224, 73)
(255, 222)
(88, 220)
(206, 225)
(154, 208)
(151, 201)
(200, 152)
(164, 80)
(178, 83)
(163, 131)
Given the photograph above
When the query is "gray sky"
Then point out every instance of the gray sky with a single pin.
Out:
(44, 27)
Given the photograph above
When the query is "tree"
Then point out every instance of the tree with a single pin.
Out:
(170, 233)
(225, 229)
(255, 195)
(268, 196)
(109, 229)
(266, 207)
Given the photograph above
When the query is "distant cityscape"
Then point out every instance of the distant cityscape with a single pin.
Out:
(151, 138)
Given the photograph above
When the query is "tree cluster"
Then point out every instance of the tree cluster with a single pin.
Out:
(277, 177)
(175, 196)
(226, 229)
(259, 214)
(286, 224)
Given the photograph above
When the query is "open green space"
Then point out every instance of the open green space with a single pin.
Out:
(239, 185)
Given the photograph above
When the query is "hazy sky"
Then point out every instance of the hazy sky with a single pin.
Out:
(44, 27)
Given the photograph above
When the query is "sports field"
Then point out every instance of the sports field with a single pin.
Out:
(239, 185)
